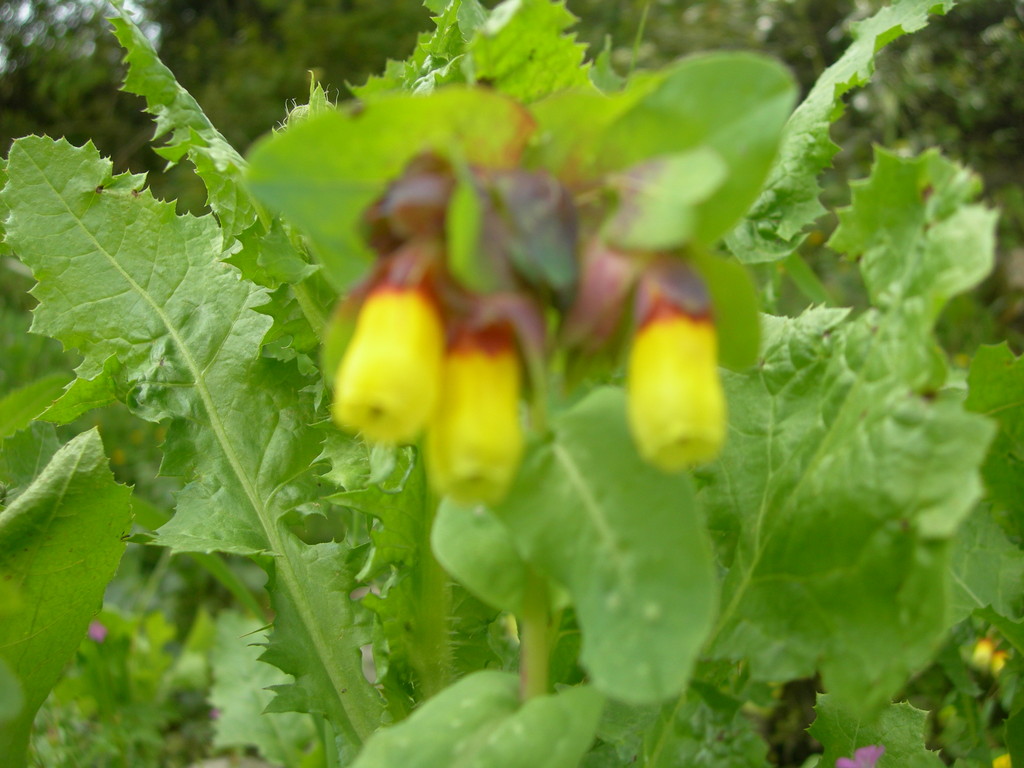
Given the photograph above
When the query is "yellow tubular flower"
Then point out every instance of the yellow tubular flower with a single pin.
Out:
(676, 405)
(475, 441)
(1003, 761)
(387, 383)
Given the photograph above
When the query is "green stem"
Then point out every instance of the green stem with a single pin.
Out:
(534, 660)
(431, 654)
(639, 38)
(326, 734)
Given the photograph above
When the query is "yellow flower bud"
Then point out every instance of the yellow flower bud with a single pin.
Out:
(676, 405)
(1003, 761)
(387, 383)
(475, 441)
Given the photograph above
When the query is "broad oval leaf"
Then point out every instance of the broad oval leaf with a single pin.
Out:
(323, 173)
(475, 548)
(625, 540)
(60, 543)
(733, 103)
(479, 723)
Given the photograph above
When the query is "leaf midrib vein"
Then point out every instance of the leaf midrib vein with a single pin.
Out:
(270, 529)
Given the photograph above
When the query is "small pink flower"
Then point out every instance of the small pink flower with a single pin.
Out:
(97, 631)
(214, 713)
(865, 757)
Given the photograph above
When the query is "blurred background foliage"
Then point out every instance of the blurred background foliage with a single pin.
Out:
(955, 85)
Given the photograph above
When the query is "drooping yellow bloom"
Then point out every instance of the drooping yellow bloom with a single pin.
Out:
(388, 381)
(475, 441)
(1003, 761)
(676, 405)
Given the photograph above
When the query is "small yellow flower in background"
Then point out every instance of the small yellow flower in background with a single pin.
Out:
(676, 404)
(998, 662)
(981, 656)
(986, 658)
(475, 441)
(1003, 761)
(388, 381)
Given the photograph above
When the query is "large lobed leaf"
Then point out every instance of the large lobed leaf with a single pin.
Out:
(995, 384)
(120, 275)
(900, 728)
(789, 203)
(519, 48)
(240, 694)
(60, 543)
(846, 473)
(188, 129)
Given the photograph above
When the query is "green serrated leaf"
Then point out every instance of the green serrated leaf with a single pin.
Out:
(858, 487)
(24, 404)
(638, 571)
(146, 286)
(415, 600)
(995, 384)
(789, 203)
(85, 395)
(987, 569)
(682, 735)
(917, 209)
(479, 723)
(240, 694)
(60, 543)
(521, 50)
(900, 728)
(191, 132)
(860, 469)
(311, 175)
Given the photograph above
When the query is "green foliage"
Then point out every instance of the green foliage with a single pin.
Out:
(899, 728)
(190, 131)
(241, 696)
(995, 383)
(863, 473)
(520, 50)
(789, 203)
(310, 174)
(479, 722)
(846, 534)
(639, 572)
(19, 407)
(60, 543)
